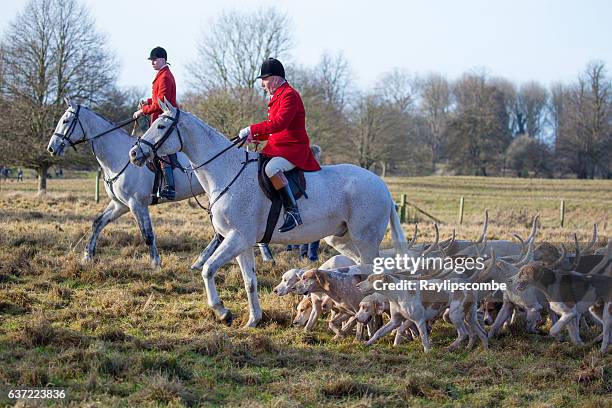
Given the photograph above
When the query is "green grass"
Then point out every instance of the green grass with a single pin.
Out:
(115, 333)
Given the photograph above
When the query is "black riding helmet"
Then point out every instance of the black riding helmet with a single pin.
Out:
(158, 52)
(270, 67)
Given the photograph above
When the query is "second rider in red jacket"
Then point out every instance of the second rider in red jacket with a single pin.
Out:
(163, 87)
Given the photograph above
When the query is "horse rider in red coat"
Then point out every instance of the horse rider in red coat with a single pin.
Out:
(163, 87)
(285, 131)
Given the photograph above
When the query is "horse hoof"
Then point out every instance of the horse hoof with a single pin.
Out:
(252, 323)
(226, 318)
(452, 348)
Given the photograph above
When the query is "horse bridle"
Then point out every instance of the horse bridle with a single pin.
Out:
(65, 137)
(155, 146)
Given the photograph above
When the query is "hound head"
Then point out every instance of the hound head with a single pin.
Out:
(302, 312)
(312, 280)
(546, 253)
(527, 275)
(490, 308)
(371, 305)
(367, 286)
(288, 281)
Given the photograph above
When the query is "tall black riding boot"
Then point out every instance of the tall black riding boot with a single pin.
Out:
(292, 214)
(168, 190)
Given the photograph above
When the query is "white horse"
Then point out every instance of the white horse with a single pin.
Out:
(348, 206)
(128, 187)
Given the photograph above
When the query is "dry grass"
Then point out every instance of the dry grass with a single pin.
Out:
(115, 333)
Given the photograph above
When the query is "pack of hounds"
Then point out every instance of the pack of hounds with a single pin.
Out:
(571, 288)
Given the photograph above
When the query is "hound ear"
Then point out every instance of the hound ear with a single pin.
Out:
(379, 307)
(317, 276)
(321, 279)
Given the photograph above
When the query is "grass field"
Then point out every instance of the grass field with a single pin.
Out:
(116, 333)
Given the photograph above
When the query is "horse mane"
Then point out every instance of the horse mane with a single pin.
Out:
(110, 122)
(205, 125)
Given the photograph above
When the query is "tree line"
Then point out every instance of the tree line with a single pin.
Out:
(406, 124)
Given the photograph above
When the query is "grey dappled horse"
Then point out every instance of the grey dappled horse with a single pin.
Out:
(348, 206)
(128, 187)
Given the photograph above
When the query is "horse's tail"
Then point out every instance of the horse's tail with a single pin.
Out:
(397, 233)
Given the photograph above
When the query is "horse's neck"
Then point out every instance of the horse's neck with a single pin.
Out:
(200, 143)
(112, 149)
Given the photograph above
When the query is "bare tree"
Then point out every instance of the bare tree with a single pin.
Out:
(435, 108)
(377, 131)
(532, 100)
(399, 88)
(236, 43)
(334, 77)
(397, 91)
(558, 95)
(584, 137)
(478, 131)
(326, 89)
(50, 51)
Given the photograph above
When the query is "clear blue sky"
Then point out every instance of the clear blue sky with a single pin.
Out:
(521, 40)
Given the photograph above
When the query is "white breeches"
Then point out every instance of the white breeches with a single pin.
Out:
(277, 164)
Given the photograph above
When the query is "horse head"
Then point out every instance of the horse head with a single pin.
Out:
(162, 137)
(68, 130)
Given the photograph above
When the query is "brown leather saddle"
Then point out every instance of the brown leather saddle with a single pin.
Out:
(297, 183)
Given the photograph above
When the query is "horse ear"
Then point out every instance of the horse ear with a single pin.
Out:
(68, 102)
(162, 105)
(168, 104)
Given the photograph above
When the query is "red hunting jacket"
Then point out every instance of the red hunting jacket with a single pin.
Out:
(285, 129)
(163, 85)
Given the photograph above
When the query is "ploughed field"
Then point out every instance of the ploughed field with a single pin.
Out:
(119, 334)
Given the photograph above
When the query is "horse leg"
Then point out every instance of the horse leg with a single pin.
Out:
(246, 261)
(207, 252)
(344, 245)
(366, 239)
(231, 247)
(113, 210)
(141, 213)
(367, 251)
(266, 254)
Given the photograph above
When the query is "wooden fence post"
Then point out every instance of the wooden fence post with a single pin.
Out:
(98, 185)
(403, 208)
(562, 213)
(461, 201)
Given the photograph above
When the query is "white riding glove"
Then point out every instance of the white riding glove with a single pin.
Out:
(245, 134)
